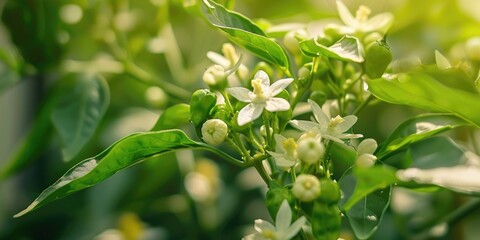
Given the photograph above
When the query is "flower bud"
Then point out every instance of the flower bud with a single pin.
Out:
(365, 160)
(306, 188)
(377, 58)
(215, 77)
(156, 97)
(472, 47)
(214, 131)
(310, 150)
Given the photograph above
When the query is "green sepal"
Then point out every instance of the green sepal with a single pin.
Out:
(377, 58)
(202, 101)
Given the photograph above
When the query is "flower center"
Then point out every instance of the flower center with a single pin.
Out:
(290, 147)
(258, 91)
(307, 185)
(362, 13)
(268, 234)
(335, 121)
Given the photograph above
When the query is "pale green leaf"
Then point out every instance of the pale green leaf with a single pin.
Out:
(423, 91)
(346, 49)
(79, 111)
(173, 117)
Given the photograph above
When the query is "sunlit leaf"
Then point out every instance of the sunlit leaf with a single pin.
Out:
(346, 49)
(173, 117)
(367, 180)
(372, 197)
(448, 166)
(416, 129)
(79, 111)
(124, 153)
(245, 33)
(422, 91)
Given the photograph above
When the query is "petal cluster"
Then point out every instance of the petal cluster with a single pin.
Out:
(329, 128)
(284, 229)
(262, 97)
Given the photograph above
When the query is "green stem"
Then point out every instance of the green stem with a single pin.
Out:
(363, 104)
(258, 165)
(137, 73)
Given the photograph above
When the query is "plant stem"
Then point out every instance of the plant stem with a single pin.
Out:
(363, 104)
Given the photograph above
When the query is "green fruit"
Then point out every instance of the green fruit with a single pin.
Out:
(326, 221)
(275, 197)
(201, 103)
(377, 58)
(329, 191)
(319, 97)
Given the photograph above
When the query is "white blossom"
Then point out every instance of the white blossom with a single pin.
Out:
(262, 97)
(283, 229)
(306, 188)
(361, 23)
(329, 128)
(310, 150)
(365, 150)
(285, 154)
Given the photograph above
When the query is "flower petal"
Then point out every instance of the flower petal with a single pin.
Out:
(240, 93)
(348, 136)
(295, 227)
(265, 80)
(249, 113)
(218, 59)
(333, 138)
(319, 115)
(279, 85)
(284, 217)
(304, 125)
(367, 146)
(348, 122)
(261, 225)
(346, 15)
(284, 163)
(380, 23)
(277, 104)
(279, 139)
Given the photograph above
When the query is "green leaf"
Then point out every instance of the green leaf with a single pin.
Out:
(417, 129)
(345, 49)
(124, 153)
(173, 117)
(368, 193)
(423, 91)
(441, 162)
(79, 111)
(245, 33)
(367, 180)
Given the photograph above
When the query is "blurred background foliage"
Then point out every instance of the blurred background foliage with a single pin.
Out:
(152, 53)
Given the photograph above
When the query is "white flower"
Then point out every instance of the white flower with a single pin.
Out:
(310, 150)
(228, 61)
(261, 98)
(365, 149)
(215, 77)
(329, 128)
(214, 131)
(306, 188)
(361, 22)
(286, 152)
(282, 229)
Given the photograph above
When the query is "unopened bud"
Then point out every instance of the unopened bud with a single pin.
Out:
(472, 47)
(306, 188)
(214, 131)
(215, 77)
(310, 150)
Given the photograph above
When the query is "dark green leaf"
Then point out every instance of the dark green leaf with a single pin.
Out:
(366, 181)
(423, 91)
(79, 111)
(417, 129)
(346, 49)
(436, 152)
(368, 193)
(173, 117)
(245, 33)
(122, 154)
